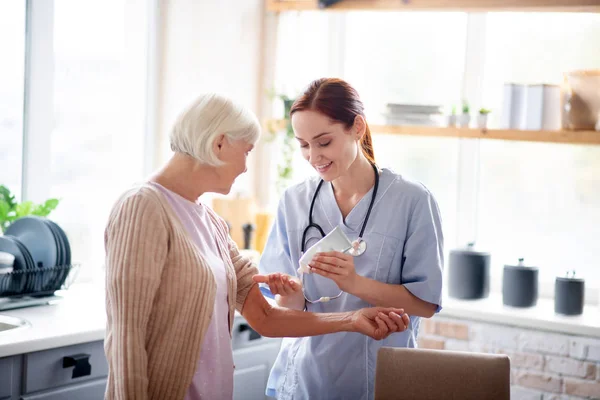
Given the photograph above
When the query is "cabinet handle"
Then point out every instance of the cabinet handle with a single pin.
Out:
(253, 334)
(81, 362)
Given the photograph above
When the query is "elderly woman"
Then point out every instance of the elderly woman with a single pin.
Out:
(175, 278)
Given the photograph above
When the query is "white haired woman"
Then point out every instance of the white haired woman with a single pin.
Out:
(175, 278)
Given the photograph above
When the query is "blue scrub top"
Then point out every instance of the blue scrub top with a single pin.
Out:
(404, 247)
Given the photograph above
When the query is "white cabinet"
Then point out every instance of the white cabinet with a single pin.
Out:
(83, 391)
(252, 367)
(75, 372)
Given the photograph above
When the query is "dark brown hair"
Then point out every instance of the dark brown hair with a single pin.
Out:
(340, 102)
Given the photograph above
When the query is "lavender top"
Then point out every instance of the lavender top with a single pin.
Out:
(214, 374)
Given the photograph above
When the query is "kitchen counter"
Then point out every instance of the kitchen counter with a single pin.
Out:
(79, 317)
(541, 316)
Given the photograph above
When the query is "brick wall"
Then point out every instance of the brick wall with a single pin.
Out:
(544, 366)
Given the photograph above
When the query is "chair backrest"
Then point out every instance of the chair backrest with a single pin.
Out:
(441, 374)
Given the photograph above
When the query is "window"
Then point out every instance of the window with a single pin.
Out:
(515, 199)
(530, 53)
(431, 161)
(306, 50)
(12, 48)
(303, 48)
(539, 201)
(97, 144)
(396, 57)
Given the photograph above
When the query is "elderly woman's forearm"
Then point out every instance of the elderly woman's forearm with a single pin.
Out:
(283, 322)
(273, 321)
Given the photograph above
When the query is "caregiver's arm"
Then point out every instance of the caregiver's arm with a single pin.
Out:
(339, 267)
(420, 288)
(387, 294)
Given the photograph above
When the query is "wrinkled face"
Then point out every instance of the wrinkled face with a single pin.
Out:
(234, 154)
(327, 145)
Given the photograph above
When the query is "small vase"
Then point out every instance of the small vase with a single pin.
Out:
(464, 120)
(452, 121)
(482, 121)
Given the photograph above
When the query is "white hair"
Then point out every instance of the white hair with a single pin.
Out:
(209, 116)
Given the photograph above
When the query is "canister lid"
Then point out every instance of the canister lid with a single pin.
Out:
(470, 249)
(521, 265)
(569, 277)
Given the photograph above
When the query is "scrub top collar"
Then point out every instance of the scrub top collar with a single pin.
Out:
(355, 217)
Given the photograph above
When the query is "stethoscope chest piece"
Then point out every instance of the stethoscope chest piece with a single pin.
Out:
(359, 246)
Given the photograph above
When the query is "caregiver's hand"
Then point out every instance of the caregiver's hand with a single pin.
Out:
(337, 266)
(379, 322)
(287, 289)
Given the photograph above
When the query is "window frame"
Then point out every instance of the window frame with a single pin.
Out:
(38, 99)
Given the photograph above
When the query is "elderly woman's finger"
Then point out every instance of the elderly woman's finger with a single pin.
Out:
(401, 320)
(275, 283)
(260, 278)
(392, 326)
(286, 285)
(382, 330)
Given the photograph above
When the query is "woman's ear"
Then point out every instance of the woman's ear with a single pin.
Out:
(360, 126)
(218, 144)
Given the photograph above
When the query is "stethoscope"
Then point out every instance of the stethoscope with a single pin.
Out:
(359, 246)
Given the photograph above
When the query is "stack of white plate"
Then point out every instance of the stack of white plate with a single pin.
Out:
(414, 114)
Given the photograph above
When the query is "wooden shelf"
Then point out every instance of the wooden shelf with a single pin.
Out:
(439, 5)
(567, 137)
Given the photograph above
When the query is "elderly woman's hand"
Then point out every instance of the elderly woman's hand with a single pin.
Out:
(286, 289)
(379, 322)
(280, 284)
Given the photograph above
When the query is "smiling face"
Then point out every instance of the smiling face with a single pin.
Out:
(234, 154)
(327, 145)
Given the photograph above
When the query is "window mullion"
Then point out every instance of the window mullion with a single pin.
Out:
(38, 107)
(469, 149)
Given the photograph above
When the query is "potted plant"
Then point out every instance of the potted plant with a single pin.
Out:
(284, 167)
(482, 118)
(452, 117)
(11, 210)
(465, 117)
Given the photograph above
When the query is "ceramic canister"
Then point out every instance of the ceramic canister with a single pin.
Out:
(520, 285)
(569, 295)
(468, 273)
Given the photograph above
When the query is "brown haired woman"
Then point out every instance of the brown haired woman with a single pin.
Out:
(396, 259)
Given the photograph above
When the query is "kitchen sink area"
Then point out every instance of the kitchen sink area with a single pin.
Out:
(10, 324)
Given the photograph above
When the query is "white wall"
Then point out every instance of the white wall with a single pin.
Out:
(208, 46)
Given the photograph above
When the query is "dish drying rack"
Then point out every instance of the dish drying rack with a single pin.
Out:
(32, 287)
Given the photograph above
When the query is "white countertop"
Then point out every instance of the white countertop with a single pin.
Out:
(540, 317)
(80, 317)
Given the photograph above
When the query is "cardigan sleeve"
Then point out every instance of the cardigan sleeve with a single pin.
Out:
(244, 268)
(136, 244)
(244, 271)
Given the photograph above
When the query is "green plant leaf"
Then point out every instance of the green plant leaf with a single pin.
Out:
(24, 209)
(43, 210)
(4, 212)
(8, 197)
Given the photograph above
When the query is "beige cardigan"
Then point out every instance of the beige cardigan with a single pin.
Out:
(159, 296)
